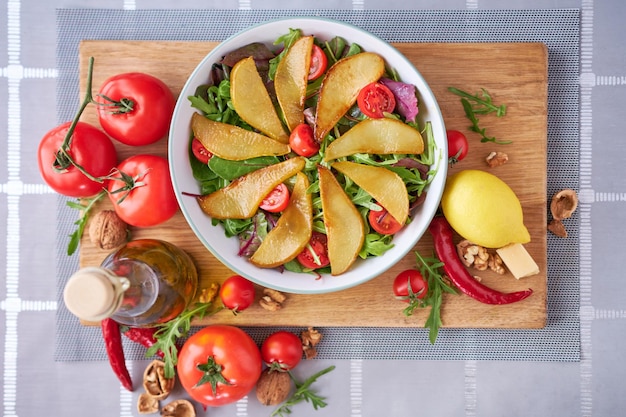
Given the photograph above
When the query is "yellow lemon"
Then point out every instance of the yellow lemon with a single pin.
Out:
(483, 209)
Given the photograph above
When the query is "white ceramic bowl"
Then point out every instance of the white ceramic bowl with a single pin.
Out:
(225, 249)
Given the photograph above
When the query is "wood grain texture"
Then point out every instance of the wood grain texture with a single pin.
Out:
(514, 74)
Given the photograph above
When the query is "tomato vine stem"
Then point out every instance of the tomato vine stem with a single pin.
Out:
(64, 160)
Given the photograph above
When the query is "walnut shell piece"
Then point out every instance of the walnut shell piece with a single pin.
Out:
(107, 231)
(178, 408)
(147, 404)
(154, 381)
(273, 386)
(563, 204)
(557, 228)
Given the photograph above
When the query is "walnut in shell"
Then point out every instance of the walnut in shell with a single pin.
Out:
(154, 381)
(273, 387)
(107, 231)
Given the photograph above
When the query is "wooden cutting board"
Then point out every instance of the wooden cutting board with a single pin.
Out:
(515, 74)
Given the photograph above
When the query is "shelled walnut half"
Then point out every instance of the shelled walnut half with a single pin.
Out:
(272, 300)
(310, 338)
(479, 257)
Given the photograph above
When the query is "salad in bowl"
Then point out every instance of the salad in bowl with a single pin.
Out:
(307, 155)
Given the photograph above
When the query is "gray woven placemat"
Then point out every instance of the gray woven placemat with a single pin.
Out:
(558, 29)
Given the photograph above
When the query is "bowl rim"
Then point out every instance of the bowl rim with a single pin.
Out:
(434, 116)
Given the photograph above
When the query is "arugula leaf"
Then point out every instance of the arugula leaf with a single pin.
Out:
(474, 104)
(303, 393)
(431, 270)
(82, 220)
(375, 244)
(287, 40)
(169, 333)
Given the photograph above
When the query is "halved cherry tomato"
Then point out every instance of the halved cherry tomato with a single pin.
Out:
(457, 146)
(237, 293)
(302, 142)
(277, 200)
(319, 62)
(375, 99)
(383, 222)
(282, 349)
(410, 278)
(315, 254)
(201, 153)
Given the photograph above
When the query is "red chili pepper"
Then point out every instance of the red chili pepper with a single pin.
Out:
(454, 268)
(113, 342)
(142, 335)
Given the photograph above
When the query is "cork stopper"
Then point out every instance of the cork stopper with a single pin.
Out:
(94, 293)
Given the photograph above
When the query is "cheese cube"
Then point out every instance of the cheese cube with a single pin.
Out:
(518, 260)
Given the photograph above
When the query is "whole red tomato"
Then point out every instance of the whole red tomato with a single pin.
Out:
(144, 195)
(237, 293)
(136, 108)
(219, 365)
(282, 349)
(89, 147)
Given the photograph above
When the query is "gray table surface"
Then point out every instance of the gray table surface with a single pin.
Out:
(34, 384)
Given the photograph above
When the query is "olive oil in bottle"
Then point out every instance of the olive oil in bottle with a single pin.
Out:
(144, 283)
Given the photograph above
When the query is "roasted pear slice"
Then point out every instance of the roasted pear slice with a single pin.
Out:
(341, 86)
(242, 197)
(232, 142)
(344, 225)
(252, 102)
(292, 231)
(385, 186)
(377, 136)
(290, 81)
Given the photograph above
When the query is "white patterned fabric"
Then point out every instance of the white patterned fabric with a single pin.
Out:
(51, 366)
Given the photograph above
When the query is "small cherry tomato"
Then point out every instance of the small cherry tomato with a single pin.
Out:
(201, 153)
(315, 254)
(375, 99)
(319, 62)
(89, 147)
(383, 222)
(282, 349)
(302, 142)
(142, 193)
(219, 365)
(135, 108)
(277, 200)
(237, 293)
(413, 279)
(457, 146)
